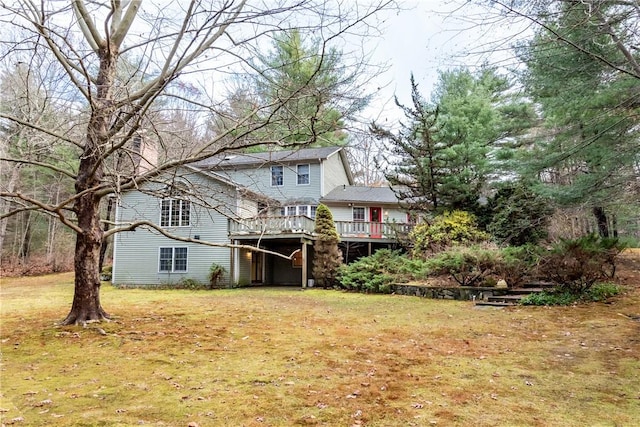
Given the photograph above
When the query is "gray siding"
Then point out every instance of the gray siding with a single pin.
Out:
(259, 180)
(334, 173)
(345, 213)
(136, 255)
(244, 267)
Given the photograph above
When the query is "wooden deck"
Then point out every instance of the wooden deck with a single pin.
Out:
(280, 226)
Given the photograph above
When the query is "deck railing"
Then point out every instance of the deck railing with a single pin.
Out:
(372, 230)
(272, 225)
(303, 224)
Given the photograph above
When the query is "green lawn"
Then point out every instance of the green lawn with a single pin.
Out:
(281, 357)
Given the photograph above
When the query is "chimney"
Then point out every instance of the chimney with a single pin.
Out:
(147, 157)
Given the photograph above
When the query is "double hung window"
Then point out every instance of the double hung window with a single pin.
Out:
(277, 176)
(303, 174)
(173, 260)
(358, 214)
(175, 213)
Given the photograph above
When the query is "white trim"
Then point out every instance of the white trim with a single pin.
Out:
(180, 201)
(173, 260)
(235, 258)
(364, 218)
(321, 165)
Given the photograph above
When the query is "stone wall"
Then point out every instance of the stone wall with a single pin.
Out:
(463, 293)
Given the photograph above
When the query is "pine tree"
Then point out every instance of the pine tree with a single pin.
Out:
(588, 157)
(327, 257)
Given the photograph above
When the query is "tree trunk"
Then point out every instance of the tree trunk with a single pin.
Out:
(25, 244)
(601, 220)
(4, 205)
(86, 299)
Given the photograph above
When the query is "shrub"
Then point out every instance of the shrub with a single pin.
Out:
(374, 273)
(327, 256)
(517, 263)
(446, 230)
(412, 269)
(468, 266)
(576, 264)
(188, 283)
(106, 273)
(603, 291)
(597, 292)
(550, 298)
(216, 272)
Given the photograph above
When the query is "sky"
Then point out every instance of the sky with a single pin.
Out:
(432, 35)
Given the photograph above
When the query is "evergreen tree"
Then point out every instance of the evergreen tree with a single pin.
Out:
(518, 215)
(305, 92)
(588, 155)
(416, 157)
(441, 158)
(327, 257)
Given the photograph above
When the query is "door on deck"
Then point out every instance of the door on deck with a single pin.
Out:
(375, 218)
(257, 266)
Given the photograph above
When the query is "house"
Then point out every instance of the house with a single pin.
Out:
(266, 200)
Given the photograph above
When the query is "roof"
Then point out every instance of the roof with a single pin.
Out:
(244, 191)
(230, 159)
(357, 194)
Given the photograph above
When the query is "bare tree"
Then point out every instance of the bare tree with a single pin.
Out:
(367, 155)
(26, 94)
(128, 62)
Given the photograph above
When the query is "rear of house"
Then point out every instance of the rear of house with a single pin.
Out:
(147, 257)
(257, 200)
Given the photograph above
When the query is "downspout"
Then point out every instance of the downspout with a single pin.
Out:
(321, 178)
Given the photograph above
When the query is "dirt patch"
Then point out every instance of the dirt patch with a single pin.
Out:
(628, 267)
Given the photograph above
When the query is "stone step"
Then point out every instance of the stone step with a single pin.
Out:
(505, 298)
(524, 291)
(495, 304)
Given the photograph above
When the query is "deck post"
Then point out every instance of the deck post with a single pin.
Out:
(304, 264)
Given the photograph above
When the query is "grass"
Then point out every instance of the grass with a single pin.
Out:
(282, 357)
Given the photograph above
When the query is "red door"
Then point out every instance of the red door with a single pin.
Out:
(375, 218)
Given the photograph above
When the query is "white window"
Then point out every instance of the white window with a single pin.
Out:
(303, 174)
(173, 260)
(175, 213)
(358, 214)
(306, 210)
(277, 176)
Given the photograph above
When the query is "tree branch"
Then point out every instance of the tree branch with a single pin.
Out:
(148, 225)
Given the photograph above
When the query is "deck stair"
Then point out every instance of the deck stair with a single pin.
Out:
(514, 295)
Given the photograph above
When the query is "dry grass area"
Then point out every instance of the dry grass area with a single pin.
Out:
(283, 357)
